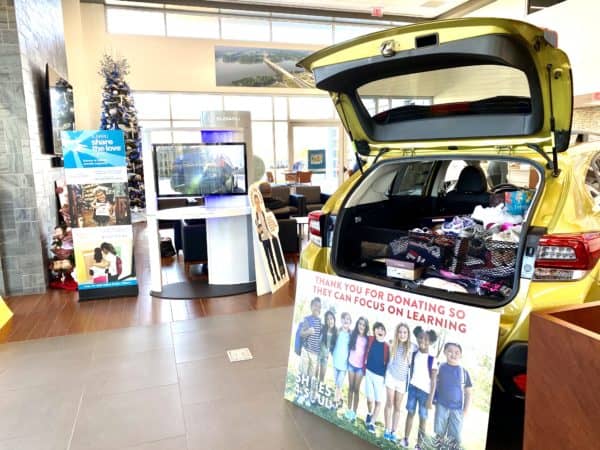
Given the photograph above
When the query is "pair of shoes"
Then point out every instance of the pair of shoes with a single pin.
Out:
(368, 419)
(349, 415)
(392, 437)
(404, 443)
(371, 428)
(307, 402)
(417, 447)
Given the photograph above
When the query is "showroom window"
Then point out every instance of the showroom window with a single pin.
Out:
(275, 120)
(219, 24)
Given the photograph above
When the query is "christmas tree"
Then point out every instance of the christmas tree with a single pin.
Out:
(118, 113)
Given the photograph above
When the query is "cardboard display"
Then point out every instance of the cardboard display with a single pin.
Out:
(413, 344)
(271, 269)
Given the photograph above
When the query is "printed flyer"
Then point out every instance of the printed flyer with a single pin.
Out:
(399, 370)
(96, 177)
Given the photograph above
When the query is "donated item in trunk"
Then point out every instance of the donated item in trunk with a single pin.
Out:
(430, 249)
(406, 270)
(373, 250)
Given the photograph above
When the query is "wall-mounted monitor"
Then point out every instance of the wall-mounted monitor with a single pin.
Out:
(194, 170)
(59, 109)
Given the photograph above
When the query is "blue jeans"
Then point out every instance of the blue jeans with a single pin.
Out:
(448, 423)
(416, 395)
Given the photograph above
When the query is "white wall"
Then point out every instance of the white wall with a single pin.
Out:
(156, 63)
(576, 22)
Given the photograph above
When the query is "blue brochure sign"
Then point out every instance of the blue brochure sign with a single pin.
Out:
(96, 175)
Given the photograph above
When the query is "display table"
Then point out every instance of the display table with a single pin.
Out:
(229, 248)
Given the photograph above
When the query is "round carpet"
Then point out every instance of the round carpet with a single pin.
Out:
(186, 290)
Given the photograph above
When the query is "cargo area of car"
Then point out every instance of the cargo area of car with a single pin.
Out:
(453, 226)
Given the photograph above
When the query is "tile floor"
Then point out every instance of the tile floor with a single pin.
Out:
(170, 387)
(160, 387)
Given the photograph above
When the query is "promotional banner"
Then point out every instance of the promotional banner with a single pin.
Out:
(399, 370)
(96, 177)
(269, 254)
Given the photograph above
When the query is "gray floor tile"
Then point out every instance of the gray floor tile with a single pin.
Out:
(37, 418)
(58, 368)
(127, 372)
(194, 346)
(132, 340)
(128, 419)
(230, 384)
(258, 422)
(321, 434)
(178, 443)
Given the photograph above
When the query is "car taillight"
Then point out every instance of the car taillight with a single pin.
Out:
(521, 382)
(566, 257)
(314, 227)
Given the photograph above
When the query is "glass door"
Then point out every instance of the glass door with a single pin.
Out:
(318, 148)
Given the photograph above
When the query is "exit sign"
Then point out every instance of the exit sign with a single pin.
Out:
(377, 11)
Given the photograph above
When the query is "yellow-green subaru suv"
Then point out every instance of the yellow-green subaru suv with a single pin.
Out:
(468, 191)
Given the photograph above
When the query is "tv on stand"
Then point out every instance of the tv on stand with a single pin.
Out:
(200, 170)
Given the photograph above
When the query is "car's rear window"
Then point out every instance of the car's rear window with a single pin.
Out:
(457, 91)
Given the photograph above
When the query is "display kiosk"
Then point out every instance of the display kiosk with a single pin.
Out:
(228, 234)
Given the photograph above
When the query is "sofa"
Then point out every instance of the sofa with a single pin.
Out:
(313, 197)
(288, 205)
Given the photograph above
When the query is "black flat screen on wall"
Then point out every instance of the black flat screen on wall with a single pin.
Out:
(60, 112)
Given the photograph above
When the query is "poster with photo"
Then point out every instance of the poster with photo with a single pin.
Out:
(399, 370)
(103, 257)
(270, 254)
(96, 176)
(99, 204)
(261, 67)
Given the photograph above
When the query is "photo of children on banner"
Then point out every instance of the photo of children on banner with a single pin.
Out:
(103, 263)
(267, 229)
(413, 370)
(99, 205)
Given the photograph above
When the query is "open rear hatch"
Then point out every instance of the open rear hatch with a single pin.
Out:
(456, 84)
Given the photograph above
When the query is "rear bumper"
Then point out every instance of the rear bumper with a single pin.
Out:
(511, 362)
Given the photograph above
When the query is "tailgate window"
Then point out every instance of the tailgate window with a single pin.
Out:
(456, 91)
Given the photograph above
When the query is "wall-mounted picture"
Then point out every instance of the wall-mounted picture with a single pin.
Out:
(99, 205)
(261, 67)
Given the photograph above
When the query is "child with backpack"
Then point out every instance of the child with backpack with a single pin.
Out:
(421, 389)
(377, 357)
(328, 338)
(309, 332)
(340, 356)
(356, 360)
(452, 398)
(396, 378)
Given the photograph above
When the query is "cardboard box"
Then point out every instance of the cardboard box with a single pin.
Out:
(405, 270)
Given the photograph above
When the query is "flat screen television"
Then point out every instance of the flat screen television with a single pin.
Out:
(60, 112)
(194, 170)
